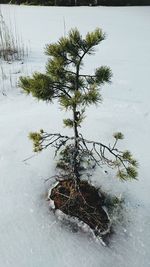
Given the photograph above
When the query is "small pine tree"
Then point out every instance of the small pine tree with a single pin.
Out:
(74, 91)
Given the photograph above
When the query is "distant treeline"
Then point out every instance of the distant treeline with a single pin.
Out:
(78, 2)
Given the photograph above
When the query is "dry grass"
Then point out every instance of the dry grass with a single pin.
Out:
(11, 45)
(12, 50)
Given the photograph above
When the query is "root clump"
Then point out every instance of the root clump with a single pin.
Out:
(83, 201)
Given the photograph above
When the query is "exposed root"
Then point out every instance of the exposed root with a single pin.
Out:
(82, 201)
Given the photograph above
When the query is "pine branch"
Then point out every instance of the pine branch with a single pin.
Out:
(123, 161)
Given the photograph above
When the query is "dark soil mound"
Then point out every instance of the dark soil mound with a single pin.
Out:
(83, 201)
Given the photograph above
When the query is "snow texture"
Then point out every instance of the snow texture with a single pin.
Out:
(30, 234)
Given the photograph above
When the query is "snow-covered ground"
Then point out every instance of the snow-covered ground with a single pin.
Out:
(30, 235)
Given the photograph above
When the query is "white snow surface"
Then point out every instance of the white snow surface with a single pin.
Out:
(30, 234)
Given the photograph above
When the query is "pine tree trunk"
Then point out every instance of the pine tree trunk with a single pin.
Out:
(76, 134)
(76, 146)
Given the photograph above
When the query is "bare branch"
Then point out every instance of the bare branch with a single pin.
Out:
(108, 155)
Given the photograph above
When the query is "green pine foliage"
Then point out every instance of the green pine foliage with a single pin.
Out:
(64, 79)
(40, 86)
(118, 136)
(36, 139)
